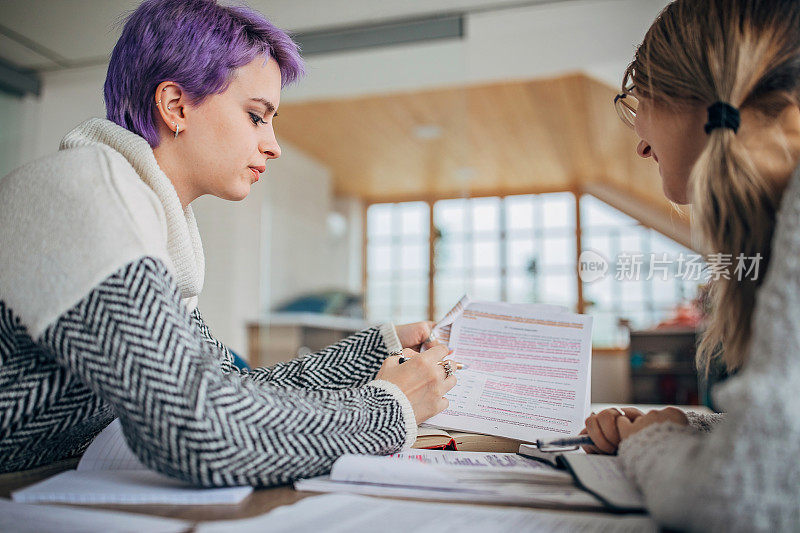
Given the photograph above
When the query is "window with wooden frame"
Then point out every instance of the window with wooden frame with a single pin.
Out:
(646, 289)
(520, 249)
(398, 256)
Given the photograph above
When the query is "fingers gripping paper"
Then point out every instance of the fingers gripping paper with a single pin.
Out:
(527, 370)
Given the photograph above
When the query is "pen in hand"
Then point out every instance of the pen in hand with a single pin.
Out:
(457, 366)
(567, 442)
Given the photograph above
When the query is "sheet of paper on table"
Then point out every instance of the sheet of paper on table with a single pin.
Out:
(24, 518)
(339, 513)
(109, 473)
(527, 372)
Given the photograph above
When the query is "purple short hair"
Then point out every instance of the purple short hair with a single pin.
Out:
(198, 44)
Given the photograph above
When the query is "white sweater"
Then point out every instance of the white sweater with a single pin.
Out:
(744, 474)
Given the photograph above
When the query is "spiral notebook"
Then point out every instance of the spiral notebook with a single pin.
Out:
(110, 473)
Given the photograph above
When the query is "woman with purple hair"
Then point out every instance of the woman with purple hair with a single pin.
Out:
(102, 266)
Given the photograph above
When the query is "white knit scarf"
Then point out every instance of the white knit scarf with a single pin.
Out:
(183, 238)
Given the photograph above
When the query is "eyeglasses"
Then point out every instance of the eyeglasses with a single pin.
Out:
(626, 103)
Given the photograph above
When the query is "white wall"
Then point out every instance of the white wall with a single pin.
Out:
(348, 250)
(11, 120)
(593, 36)
(301, 254)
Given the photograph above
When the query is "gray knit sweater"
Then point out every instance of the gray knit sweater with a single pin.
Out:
(100, 272)
(743, 474)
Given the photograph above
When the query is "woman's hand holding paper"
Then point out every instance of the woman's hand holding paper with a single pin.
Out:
(422, 379)
(416, 335)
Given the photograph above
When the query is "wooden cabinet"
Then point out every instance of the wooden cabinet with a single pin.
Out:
(283, 336)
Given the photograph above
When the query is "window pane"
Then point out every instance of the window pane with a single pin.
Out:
(379, 294)
(486, 215)
(379, 219)
(661, 245)
(665, 293)
(379, 258)
(521, 289)
(519, 212)
(558, 210)
(414, 293)
(450, 216)
(486, 254)
(632, 241)
(486, 288)
(640, 318)
(558, 289)
(450, 254)
(448, 292)
(600, 243)
(605, 330)
(595, 213)
(599, 293)
(376, 313)
(557, 251)
(520, 253)
(411, 314)
(630, 293)
(413, 257)
(414, 218)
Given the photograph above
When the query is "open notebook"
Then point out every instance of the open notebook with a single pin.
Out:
(109, 473)
(601, 475)
(445, 475)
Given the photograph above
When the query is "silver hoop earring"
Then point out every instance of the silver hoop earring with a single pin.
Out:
(177, 128)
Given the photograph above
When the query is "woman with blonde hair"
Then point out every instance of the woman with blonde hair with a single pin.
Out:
(714, 95)
(102, 266)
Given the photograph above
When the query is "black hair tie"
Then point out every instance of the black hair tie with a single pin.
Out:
(722, 115)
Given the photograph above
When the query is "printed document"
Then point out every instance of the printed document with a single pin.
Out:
(527, 372)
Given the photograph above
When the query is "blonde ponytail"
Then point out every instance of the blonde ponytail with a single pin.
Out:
(734, 215)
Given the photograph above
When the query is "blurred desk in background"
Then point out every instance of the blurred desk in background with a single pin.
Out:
(281, 337)
(662, 366)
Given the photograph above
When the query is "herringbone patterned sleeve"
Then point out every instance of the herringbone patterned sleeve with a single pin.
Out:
(133, 344)
(352, 362)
